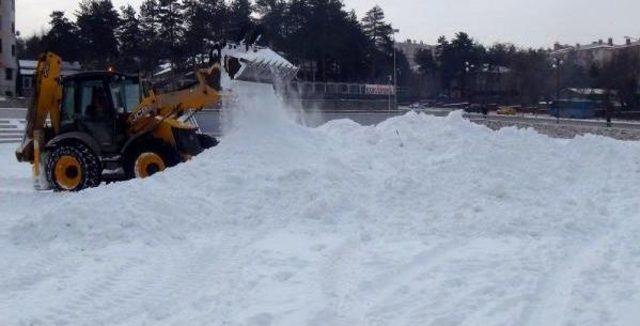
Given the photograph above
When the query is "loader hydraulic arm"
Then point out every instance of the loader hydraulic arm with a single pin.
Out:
(45, 104)
(158, 107)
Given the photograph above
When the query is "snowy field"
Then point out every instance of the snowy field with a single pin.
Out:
(417, 221)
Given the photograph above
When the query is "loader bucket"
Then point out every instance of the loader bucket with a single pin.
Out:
(240, 62)
(257, 64)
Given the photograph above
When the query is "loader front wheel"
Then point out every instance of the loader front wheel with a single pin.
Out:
(153, 158)
(148, 164)
(73, 167)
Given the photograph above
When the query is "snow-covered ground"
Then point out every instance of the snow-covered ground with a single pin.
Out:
(417, 221)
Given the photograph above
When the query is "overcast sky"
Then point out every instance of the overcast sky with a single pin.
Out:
(523, 22)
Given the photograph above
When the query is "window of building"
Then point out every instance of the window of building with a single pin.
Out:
(13, 50)
(8, 74)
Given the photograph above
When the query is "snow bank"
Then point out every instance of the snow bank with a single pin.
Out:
(417, 221)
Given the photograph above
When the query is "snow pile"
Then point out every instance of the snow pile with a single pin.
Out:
(417, 221)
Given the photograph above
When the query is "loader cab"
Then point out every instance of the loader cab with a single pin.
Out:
(98, 104)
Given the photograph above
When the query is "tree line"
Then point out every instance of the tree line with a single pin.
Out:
(329, 43)
(321, 36)
(532, 75)
(98, 34)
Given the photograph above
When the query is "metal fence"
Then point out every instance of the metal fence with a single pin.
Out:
(344, 90)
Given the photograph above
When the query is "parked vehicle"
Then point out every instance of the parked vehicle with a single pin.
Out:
(507, 110)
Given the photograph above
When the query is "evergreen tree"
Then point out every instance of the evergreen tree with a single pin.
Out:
(98, 22)
(353, 47)
(426, 62)
(320, 36)
(131, 40)
(381, 54)
(500, 54)
(62, 38)
(377, 29)
(532, 75)
(32, 47)
(149, 28)
(453, 58)
(216, 13)
(204, 26)
(297, 21)
(620, 75)
(273, 14)
(239, 19)
(171, 32)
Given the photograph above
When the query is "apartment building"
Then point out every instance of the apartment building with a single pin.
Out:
(8, 55)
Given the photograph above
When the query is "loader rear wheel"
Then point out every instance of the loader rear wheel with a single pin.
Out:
(153, 157)
(73, 167)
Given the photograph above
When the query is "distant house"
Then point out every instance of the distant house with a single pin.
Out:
(573, 109)
(27, 70)
(591, 94)
(598, 52)
(581, 103)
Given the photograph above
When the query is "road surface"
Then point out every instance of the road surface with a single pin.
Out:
(12, 113)
(210, 119)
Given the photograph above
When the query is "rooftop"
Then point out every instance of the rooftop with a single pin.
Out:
(28, 67)
(600, 44)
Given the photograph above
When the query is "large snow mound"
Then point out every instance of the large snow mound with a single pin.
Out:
(417, 221)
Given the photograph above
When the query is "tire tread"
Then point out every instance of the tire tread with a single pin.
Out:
(91, 167)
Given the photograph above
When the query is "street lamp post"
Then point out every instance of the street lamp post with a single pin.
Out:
(395, 68)
(389, 103)
(468, 68)
(557, 62)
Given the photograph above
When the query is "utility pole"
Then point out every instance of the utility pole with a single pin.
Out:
(557, 62)
(390, 91)
(395, 68)
(468, 68)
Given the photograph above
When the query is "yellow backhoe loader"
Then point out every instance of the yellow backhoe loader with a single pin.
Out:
(82, 128)
(102, 126)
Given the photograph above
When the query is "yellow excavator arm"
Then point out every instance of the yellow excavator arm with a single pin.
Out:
(45, 104)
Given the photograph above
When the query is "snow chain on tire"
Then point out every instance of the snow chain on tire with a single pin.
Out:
(73, 167)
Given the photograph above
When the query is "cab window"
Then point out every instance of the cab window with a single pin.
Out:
(68, 103)
(125, 94)
(94, 101)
